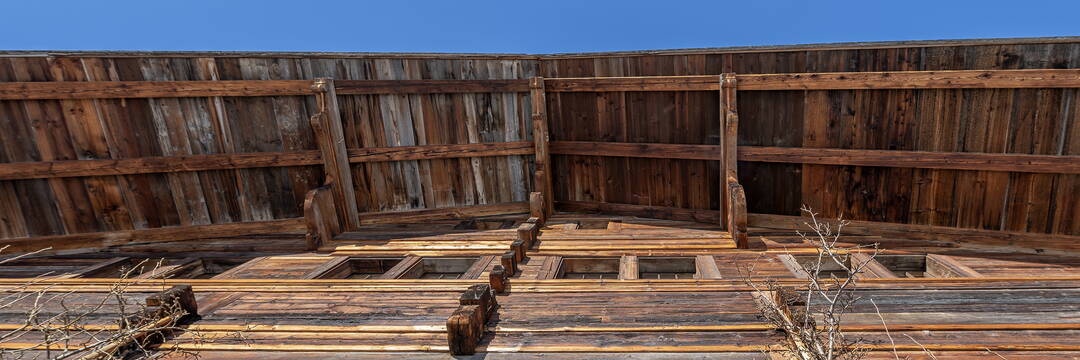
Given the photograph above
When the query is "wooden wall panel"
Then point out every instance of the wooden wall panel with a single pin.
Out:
(1023, 121)
(435, 119)
(645, 117)
(1020, 121)
(41, 130)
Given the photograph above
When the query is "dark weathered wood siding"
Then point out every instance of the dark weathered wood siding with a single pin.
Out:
(1023, 121)
(43, 130)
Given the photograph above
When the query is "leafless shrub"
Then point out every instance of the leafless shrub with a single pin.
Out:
(809, 315)
(59, 322)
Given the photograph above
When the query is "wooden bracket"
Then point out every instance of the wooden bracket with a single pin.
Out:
(466, 326)
(331, 140)
(320, 216)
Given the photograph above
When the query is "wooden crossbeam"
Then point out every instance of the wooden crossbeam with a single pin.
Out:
(1049, 164)
(1054, 164)
(359, 87)
(953, 79)
(150, 89)
(448, 151)
(638, 150)
(169, 164)
(99, 240)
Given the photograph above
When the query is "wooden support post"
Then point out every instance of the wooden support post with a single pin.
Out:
(321, 217)
(528, 231)
(466, 326)
(541, 138)
(518, 248)
(733, 198)
(464, 329)
(498, 279)
(481, 295)
(331, 139)
(507, 261)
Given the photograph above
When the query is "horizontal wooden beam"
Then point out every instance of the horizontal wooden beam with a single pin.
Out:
(640, 150)
(1030, 242)
(1052, 164)
(404, 216)
(396, 153)
(961, 79)
(168, 164)
(643, 83)
(161, 164)
(967, 79)
(646, 211)
(150, 89)
(99, 240)
(361, 87)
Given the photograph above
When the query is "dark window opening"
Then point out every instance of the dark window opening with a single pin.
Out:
(828, 268)
(439, 268)
(670, 268)
(484, 225)
(910, 266)
(589, 268)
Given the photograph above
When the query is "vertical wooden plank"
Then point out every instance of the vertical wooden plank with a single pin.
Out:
(136, 137)
(227, 198)
(628, 267)
(51, 140)
(541, 139)
(170, 123)
(331, 140)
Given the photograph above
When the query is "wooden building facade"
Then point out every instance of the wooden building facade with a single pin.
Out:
(590, 205)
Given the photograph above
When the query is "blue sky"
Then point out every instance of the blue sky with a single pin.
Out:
(511, 26)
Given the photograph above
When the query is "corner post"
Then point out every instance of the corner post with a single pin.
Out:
(541, 138)
(331, 140)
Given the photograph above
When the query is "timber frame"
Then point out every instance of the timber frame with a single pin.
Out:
(336, 159)
(413, 205)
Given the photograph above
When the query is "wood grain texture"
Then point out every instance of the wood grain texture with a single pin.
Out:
(1051, 164)
(150, 89)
